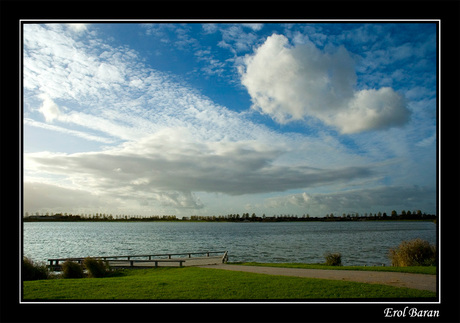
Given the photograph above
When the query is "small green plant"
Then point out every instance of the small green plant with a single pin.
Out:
(333, 259)
(96, 268)
(71, 269)
(415, 252)
(33, 271)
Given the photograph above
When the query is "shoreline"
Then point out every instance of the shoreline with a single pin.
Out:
(230, 221)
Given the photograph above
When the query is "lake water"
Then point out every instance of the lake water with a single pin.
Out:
(360, 243)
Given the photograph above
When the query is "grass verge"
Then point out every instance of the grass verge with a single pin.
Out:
(429, 270)
(192, 283)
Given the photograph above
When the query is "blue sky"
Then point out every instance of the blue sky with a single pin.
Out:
(214, 118)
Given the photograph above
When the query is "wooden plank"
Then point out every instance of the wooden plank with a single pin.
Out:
(207, 253)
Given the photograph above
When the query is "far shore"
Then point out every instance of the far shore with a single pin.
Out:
(229, 218)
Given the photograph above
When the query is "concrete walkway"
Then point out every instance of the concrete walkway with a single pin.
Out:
(416, 281)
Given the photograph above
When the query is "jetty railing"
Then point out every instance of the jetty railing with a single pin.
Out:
(54, 263)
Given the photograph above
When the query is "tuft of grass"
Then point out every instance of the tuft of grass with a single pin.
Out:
(71, 269)
(333, 259)
(32, 270)
(96, 268)
(415, 252)
(193, 283)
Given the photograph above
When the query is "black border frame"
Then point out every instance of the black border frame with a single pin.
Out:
(13, 11)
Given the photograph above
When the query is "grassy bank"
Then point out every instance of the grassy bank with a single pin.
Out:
(191, 283)
(430, 270)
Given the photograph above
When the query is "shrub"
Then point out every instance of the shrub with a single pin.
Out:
(333, 259)
(415, 252)
(96, 268)
(33, 271)
(72, 269)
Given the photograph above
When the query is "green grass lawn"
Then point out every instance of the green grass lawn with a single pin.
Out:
(192, 283)
(430, 270)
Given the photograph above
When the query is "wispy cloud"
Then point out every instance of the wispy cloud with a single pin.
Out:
(109, 90)
(80, 134)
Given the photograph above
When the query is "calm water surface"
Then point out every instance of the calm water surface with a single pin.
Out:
(360, 243)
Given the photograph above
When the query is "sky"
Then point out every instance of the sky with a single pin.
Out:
(215, 118)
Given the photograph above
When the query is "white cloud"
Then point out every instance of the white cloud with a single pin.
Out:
(78, 28)
(209, 28)
(254, 26)
(295, 83)
(371, 110)
(236, 39)
(49, 109)
(109, 73)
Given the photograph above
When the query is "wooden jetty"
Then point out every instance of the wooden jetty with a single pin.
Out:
(150, 261)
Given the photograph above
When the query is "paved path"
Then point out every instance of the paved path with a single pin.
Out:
(416, 281)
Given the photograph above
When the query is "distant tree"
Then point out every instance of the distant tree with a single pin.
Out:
(394, 214)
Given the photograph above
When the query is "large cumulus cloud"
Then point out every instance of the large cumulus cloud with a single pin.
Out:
(294, 83)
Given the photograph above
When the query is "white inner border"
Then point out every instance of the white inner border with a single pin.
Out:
(235, 21)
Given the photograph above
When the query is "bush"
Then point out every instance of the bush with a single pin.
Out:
(72, 269)
(33, 271)
(96, 268)
(333, 259)
(415, 252)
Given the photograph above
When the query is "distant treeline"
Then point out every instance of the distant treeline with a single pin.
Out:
(245, 217)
